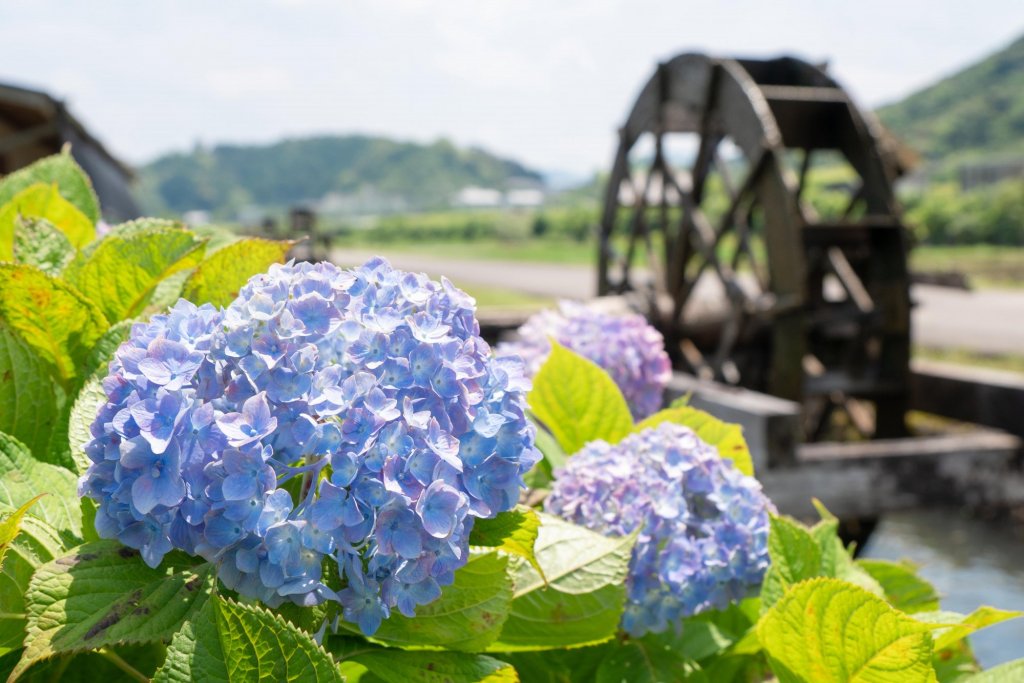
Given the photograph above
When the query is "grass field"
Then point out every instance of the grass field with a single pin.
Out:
(498, 298)
(985, 265)
(1010, 362)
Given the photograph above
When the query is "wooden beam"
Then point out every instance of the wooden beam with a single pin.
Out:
(994, 398)
(13, 141)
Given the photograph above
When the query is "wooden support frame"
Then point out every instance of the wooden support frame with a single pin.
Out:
(993, 398)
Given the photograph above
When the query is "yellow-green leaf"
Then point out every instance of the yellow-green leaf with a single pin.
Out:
(62, 170)
(218, 279)
(953, 626)
(39, 243)
(43, 201)
(830, 631)
(726, 437)
(513, 532)
(1011, 672)
(121, 271)
(51, 317)
(904, 589)
(10, 525)
(578, 401)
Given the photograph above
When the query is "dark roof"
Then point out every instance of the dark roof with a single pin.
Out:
(34, 124)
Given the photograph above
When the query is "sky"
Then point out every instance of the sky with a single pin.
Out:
(546, 82)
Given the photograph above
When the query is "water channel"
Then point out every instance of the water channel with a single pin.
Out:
(971, 562)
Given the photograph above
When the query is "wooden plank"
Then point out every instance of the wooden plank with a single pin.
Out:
(28, 136)
(994, 398)
(771, 425)
(977, 470)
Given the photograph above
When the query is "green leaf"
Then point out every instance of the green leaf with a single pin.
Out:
(640, 661)
(581, 602)
(904, 589)
(102, 594)
(578, 401)
(108, 666)
(514, 532)
(700, 638)
(467, 617)
(10, 525)
(37, 242)
(837, 562)
(32, 403)
(103, 350)
(51, 317)
(43, 201)
(165, 294)
(1011, 672)
(389, 665)
(554, 456)
(23, 479)
(956, 626)
(667, 656)
(122, 270)
(228, 641)
(62, 170)
(795, 556)
(830, 631)
(90, 399)
(576, 665)
(218, 279)
(726, 437)
(799, 553)
(36, 544)
(953, 664)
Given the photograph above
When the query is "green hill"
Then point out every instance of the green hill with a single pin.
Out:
(370, 171)
(976, 112)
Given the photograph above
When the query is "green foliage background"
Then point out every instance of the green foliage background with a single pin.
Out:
(229, 177)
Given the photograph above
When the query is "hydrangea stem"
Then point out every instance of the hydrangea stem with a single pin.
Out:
(309, 477)
(124, 666)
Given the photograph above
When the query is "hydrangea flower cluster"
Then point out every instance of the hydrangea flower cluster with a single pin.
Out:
(352, 415)
(703, 524)
(625, 346)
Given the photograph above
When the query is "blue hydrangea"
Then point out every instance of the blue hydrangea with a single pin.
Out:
(354, 415)
(703, 524)
(626, 346)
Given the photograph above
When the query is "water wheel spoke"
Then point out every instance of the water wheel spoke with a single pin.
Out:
(727, 343)
(805, 165)
(857, 195)
(848, 278)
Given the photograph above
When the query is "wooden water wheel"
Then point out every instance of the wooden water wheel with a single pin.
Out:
(707, 219)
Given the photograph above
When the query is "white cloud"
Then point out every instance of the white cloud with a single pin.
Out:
(235, 83)
(545, 81)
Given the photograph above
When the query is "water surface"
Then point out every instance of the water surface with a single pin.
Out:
(970, 562)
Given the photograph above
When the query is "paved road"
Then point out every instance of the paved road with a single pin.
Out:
(987, 321)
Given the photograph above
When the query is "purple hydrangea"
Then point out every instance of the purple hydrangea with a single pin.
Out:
(625, 346)
(703, 524)
(354, 415)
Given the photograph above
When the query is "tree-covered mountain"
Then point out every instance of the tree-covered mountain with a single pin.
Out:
(976, 112)
(227, 178)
